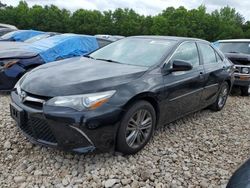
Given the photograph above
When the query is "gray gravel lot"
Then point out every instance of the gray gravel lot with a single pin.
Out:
(201, 150)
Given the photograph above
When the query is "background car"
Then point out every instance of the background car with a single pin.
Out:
(7, 47)
(20, 35)
(19, 59)
(238, 51)
(241, 177)
(114, 98)
(6, 28)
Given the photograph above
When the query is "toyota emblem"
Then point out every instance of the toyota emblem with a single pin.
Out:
(23, 95)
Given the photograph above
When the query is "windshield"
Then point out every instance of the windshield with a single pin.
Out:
(38, 37)
(235, 47)
(135, 51)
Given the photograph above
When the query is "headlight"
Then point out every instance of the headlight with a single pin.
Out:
(81, 102)
(245, 70)
(8, 63)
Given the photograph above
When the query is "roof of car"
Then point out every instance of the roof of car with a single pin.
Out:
(235, 40)
(170, 38)
(8, 26)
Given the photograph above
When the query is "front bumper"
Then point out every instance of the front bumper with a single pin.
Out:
(66, 129)
(242, 79)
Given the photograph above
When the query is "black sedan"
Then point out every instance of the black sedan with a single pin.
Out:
(114, 98)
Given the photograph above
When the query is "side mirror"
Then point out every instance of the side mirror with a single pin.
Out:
(180, 65)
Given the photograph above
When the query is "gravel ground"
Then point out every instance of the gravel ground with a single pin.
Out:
(201, 150)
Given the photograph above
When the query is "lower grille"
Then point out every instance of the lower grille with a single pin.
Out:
(38, 129)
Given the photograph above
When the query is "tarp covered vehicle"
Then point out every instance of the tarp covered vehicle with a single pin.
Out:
(16, 61)
(20, 35)
(7, 45)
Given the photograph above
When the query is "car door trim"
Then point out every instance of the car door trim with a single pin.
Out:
(212, 85)
(186, 94)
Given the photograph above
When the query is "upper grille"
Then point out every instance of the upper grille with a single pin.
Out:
(33, 101)
(38, 129)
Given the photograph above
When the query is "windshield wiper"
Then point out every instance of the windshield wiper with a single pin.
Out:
(109, 60)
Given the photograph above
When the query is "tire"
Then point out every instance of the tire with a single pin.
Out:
(132, 136)
(245, 90)
(221, 98)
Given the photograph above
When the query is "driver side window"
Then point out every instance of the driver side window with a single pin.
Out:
(187, 52)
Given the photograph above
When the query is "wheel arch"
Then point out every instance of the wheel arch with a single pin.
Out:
(149, 97)
(229, 82)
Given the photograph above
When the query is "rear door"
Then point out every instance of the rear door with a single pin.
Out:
(184, 89)
(214, 68)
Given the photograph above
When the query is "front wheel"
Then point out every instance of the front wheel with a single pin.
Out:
(136, 128)
(222, 97)
(245, 90)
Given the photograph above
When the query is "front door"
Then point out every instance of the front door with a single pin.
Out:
(183, 89)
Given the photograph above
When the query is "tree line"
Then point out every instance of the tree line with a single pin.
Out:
(220, 24)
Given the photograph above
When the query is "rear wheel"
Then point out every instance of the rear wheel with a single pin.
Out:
(136, 128)
(222, 97)
(245, 90)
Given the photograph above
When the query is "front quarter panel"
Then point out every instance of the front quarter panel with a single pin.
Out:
(150, 85)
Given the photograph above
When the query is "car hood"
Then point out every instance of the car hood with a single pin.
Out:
(78, 75)
(15, 50)
(238, 58)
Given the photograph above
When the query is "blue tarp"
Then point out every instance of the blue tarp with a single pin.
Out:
(22, 35)
(64, 46)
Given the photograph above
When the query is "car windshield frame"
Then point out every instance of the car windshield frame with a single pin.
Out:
(233, 47)
(113, 49)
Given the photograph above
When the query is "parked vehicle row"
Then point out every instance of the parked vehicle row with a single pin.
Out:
(17, 58)
(81, 93)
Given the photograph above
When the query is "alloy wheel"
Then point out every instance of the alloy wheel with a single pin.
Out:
(139, 128)
(223, 96)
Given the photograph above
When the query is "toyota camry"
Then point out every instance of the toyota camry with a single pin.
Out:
(114, 98)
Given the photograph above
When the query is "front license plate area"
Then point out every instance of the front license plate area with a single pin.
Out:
(17, 114)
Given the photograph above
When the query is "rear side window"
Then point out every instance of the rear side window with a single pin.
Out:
(208, 54)
(187, 52)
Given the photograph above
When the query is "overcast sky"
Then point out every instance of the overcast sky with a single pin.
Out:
(146, 7)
